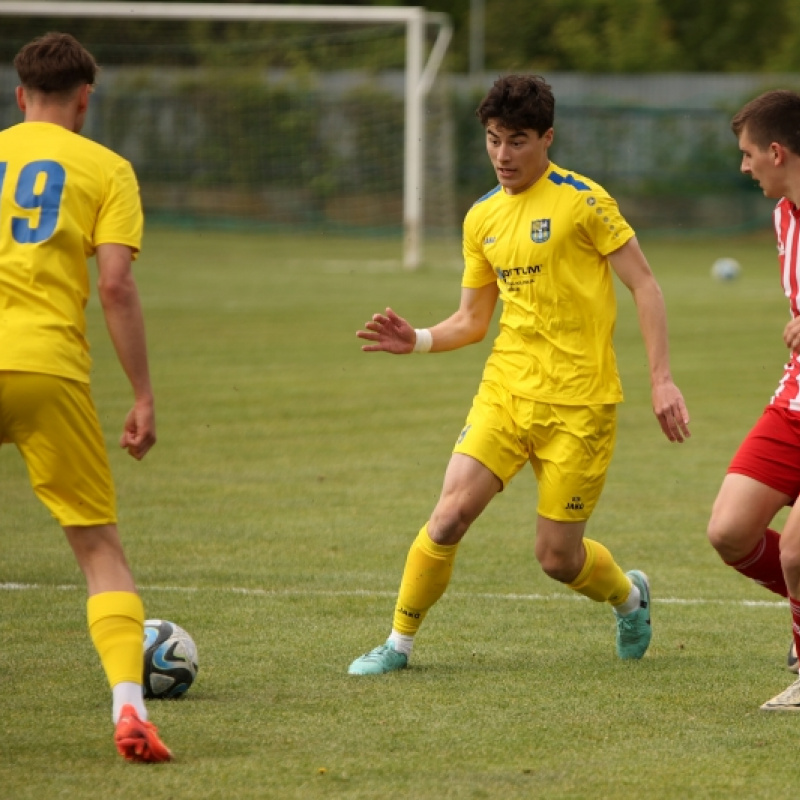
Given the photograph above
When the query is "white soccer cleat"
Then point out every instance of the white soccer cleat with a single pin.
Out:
(787, 700)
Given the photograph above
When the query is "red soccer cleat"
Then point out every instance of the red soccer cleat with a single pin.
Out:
(137, 740)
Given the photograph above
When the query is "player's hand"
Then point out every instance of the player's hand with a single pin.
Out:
(670, 409)
(791, 335)
(139, 431)
(388, 332)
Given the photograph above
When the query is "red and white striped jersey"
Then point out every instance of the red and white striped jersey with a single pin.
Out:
(787, 229)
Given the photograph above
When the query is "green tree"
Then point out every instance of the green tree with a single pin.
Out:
(616, 36)
(784, 56)
(727, 35)
(625, 36)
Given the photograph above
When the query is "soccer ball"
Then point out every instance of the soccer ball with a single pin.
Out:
(726, 269)
(170, 659)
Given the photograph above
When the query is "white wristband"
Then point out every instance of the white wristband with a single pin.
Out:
(424, 340)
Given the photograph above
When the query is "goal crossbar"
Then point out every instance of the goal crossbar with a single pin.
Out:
(420, 72)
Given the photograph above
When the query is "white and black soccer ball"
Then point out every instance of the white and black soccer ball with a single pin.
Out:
(726, 269)
(170, 659)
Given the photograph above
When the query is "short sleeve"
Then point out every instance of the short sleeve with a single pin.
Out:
(478, 271)
(600, 218)
(120, 220)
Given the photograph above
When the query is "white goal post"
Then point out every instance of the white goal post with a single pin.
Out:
(419, 71)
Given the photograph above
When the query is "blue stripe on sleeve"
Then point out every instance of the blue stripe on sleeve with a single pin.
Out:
(558, 180)
(487, 195)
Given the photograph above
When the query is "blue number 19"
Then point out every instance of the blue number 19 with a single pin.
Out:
(47, 199)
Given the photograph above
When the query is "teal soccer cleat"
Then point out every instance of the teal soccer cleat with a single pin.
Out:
(634, 630)
(382, 659)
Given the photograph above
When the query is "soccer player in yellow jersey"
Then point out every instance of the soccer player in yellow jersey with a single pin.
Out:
(64, 198)
(544, 242)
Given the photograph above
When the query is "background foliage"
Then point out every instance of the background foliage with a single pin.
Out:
(556, 35)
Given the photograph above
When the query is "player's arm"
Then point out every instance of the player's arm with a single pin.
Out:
(632, 268)
(122, 308)
(390, 333)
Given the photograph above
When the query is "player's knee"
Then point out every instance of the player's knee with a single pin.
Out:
(717, 533)
(448, 524)
(790, 559)
(728, 538)
(557, 564)
(558, 572)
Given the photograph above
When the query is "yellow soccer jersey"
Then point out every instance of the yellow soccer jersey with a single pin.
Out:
(547, 250)
(61, 195)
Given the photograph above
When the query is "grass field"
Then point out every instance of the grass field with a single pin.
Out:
(273, 517)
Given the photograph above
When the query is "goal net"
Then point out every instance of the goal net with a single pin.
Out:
(336, 119)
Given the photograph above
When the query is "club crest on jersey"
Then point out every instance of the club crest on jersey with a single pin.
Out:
(540, 230)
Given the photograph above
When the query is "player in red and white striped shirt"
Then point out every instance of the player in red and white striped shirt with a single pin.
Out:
(764, 475)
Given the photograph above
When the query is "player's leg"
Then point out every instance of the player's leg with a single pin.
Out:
(486, 456)
(584, 565)
(587, 567)
(99, 553)
(789, 700)
(57, 431)
(571, 449)
(764, 476)
(114, 610)
(115, 616)
(468, 488)
(739, 530)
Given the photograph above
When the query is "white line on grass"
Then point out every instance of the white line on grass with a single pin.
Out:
(527, 598)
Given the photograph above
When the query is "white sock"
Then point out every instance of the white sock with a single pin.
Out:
(401, 642)
(128, 693)
(631, 604)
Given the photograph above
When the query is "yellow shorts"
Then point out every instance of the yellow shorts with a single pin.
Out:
(569, 447)
(53, 423)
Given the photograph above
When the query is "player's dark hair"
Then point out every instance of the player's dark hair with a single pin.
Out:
(519, 102)
(771, 117)
(55, 63)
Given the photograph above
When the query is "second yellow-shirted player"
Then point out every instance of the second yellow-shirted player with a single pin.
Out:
(547, 250)
(545, 243)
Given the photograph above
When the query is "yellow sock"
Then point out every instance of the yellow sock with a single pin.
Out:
(426, 575)
(601, 578)
(116, 625)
